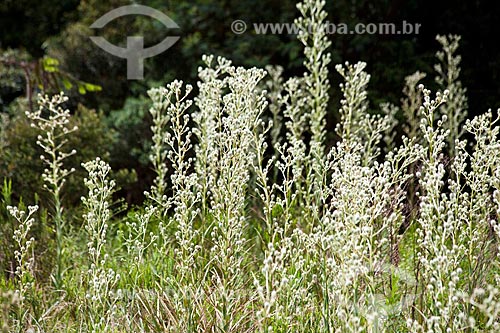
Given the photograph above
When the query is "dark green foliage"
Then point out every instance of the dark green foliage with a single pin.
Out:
(27, 24)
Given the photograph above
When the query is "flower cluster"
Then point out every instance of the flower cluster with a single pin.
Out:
(24, 259)
(99, 279)
(52, 120)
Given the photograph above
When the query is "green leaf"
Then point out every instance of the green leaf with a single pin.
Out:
(67, 84)
(81, 89)
(92, 87)
(50, 65)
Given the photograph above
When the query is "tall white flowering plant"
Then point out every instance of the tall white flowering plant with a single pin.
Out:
(24, 261)
(52, 119)
(448, 78)
(100, 279)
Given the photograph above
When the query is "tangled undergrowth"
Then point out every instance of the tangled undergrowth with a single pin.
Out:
(254, 224)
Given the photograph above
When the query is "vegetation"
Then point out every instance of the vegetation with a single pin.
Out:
(256, 220)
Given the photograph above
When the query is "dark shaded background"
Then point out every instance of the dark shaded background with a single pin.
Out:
(59, 29)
